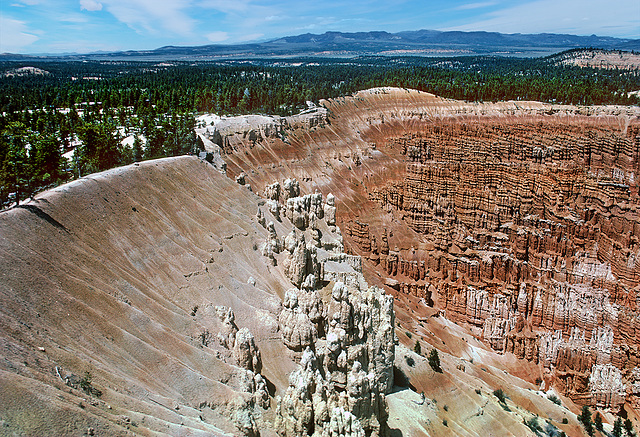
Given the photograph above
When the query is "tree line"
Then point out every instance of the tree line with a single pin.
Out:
(87, 108)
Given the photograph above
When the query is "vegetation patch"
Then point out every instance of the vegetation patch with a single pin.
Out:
(86, 385)
(434, 361)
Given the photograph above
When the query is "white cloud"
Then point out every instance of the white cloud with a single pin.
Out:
(244, 20)
(217, 36)
(72, 18)
(250, 37)
(90, 5)
(227, 6)
(153, 16)
(14, 35)
(581, 17)
(478, 5)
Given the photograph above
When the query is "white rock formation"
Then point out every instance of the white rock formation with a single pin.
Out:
(606, 386)
(246, 352)
(346, 342)
(297, 330)
(272, 246)
(351, 369)
(290, 188)
(272, 192)
(330, 210)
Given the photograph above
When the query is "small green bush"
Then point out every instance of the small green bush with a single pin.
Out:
(553, 398)
(417, 348)
(444, 422)
(533, 425)
(478, 391)
(550, 430)
(500, 395)
(87, 387)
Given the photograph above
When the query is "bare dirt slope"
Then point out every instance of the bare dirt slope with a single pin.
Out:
(102, 276)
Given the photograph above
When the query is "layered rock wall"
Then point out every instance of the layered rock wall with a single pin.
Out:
(528, 228)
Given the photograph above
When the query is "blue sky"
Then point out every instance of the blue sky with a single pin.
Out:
(58, 26)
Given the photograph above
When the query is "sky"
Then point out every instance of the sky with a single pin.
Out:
(83, 26)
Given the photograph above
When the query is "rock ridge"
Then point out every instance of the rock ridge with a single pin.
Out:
(344, 342)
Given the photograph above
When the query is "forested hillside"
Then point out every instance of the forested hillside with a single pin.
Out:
(85, 109)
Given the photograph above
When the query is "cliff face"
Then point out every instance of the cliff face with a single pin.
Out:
(530, 224)
(518, 219)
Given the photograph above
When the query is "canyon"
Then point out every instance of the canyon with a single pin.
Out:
(517, 219)
(279, 285)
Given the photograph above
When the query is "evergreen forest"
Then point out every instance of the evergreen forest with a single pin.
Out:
(62, 120)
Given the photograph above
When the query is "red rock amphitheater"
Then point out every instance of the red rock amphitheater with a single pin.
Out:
(507, 233)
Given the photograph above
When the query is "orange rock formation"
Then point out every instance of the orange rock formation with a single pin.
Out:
(520, 219)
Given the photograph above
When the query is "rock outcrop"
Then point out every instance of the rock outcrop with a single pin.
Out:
(245, 351)
(606, 386)
(238, 348)
(232, 133)
(298, 330)
(345, 343)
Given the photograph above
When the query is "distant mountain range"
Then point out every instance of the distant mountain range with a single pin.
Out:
(341, 44)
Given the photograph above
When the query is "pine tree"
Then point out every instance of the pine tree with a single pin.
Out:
(597, 421)
(46, 160)
(628, 427)
(617, 428)
(417, 348)
(434, 360)
(585, 419)
(14, 161)
(137, 148)
(100, 149)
